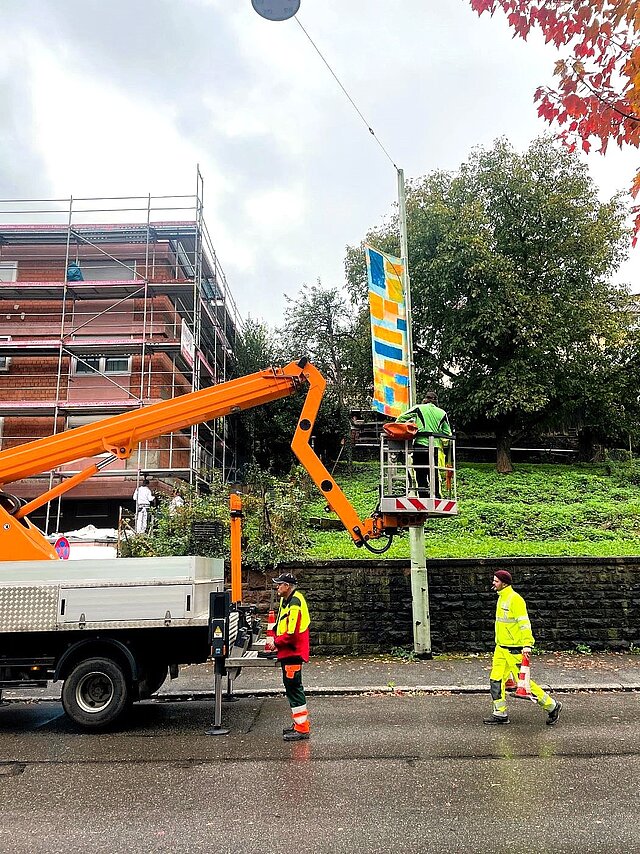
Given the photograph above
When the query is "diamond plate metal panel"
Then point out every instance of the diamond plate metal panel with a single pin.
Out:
(28, 608)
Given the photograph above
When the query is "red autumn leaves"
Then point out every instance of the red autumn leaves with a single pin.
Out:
(598, 93)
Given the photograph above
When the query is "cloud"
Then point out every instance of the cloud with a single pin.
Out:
(126, 97)
(23, 172)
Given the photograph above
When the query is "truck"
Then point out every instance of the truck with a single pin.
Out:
(112, 630)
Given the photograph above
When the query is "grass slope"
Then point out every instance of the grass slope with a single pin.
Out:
(538, 510)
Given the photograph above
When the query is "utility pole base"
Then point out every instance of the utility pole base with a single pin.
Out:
(420, 594)
(217, 730)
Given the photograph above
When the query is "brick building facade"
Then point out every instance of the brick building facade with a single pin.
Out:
(148, 317)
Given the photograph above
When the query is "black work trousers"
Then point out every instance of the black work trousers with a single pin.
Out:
(421, 463)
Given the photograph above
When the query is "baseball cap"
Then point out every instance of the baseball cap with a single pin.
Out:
(285, 578)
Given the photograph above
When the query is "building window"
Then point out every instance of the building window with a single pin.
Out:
(8, 271)
(107, 270)
(84, 365)
(5, 361)
(74, 421)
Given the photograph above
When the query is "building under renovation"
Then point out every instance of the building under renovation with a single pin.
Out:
(107, 305)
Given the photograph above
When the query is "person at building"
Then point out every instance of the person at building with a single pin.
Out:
(430, 420)
(292, 648)
(74, 273)
(144, 499)
(513, 636)
(177, 501)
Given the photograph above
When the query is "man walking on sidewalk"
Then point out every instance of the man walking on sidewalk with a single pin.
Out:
(292, 646)
(513, 637)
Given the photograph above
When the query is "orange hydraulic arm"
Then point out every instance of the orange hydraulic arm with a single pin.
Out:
(120, 436)
(235, 508)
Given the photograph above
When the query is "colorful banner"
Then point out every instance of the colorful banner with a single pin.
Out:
(388, 333)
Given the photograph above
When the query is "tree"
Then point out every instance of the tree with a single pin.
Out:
(273, 528)
(321, 324)
(261, 440)
(510, 261)
(601, 395)
(598, 94)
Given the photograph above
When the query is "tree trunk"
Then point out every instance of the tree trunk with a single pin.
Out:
(588, 450)
(503, 451)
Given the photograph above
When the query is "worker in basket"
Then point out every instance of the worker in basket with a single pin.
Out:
(431, 421)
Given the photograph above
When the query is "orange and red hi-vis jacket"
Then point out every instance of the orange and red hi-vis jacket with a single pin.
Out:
(292, 628)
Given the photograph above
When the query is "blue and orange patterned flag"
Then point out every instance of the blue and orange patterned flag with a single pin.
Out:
(388, 333)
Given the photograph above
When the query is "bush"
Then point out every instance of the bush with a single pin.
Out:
(273, 525)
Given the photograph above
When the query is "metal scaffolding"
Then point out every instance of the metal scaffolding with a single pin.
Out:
(109, 304)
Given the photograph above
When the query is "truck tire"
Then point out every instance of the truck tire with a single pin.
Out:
(95, 693)
(154, 679)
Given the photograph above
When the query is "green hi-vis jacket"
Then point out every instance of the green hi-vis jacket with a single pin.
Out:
(513, 627)
(428, 418)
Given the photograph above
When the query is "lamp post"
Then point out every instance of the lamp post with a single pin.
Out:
(281, 10)
(276, 10)
(419, 578)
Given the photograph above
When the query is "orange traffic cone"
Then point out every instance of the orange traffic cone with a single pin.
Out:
(271, 631)
(511, 683)
(524, 684)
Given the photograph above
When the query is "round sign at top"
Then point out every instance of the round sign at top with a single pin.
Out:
(63, 547)
(276, 10)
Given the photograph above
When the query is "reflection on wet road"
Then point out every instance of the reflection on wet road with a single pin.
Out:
(381, 773)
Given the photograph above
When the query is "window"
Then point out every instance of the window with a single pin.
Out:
(8, 271)
(82, 420)
(5, 361)
(102, 365)
(107, 270)
(74, 421)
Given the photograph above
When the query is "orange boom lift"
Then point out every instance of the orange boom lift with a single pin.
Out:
(121, 434)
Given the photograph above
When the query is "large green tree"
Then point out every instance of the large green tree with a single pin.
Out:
(511, 260)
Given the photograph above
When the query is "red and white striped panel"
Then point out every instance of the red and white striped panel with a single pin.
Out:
(444, 505)
(411, 504)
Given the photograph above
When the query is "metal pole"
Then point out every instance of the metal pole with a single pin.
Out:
(217, 728)
(419, 579)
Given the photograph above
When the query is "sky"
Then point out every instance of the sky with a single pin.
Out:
(128, 97)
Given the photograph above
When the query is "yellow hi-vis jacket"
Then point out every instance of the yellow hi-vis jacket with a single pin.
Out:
(292, 628)
(513, 627)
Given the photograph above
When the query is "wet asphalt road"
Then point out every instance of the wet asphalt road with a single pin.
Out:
(409, 773)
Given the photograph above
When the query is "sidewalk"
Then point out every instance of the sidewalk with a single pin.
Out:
(354, 675)
(559, 672)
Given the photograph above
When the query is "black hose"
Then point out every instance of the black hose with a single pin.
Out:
(381, 551)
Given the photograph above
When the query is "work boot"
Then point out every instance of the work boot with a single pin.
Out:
(554, 714)
(494, 720)
(286, 729)
(295, 735)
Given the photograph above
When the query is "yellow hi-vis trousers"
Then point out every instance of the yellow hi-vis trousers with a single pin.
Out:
(504, 663)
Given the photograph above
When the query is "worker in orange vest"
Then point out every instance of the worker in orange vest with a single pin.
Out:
(292, 647)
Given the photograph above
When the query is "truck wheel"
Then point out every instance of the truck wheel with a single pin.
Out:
(95, 693)
(154, 679)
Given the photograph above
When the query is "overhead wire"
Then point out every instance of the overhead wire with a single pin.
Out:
(350, 99)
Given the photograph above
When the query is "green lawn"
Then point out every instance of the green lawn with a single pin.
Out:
(590, 510)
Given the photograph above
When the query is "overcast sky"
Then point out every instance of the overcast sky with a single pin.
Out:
(125, 97)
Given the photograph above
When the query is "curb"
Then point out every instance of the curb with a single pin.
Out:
(354, 690)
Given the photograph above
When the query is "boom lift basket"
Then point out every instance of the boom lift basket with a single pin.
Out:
(401, 473)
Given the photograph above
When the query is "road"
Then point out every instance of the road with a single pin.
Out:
(382, 773)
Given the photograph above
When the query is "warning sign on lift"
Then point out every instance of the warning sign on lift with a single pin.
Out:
(63, 547)
(217, 632)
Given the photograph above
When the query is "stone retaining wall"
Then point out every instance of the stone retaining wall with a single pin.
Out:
(364, 606)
